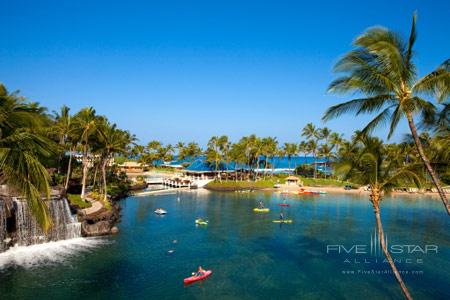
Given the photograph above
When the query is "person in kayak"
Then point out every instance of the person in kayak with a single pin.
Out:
(261, 205)
(200, 271)
(281, 216)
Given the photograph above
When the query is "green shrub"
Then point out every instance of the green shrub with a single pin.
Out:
(76, 200)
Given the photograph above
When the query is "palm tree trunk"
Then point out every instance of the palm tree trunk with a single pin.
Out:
(375, 199)
(427, 163)
(273, 166)
(85, 171)
(315, 164)
(95, 174)
(257, 167)
(265, 167)
(69, 170)
(105, 191)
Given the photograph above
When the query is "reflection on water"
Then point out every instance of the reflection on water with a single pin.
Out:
(251, 257)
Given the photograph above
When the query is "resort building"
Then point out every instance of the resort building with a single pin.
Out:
(132, 167)
(292, 180)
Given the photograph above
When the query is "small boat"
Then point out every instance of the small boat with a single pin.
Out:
(195, 278)
(160, 211)
(306, 192)
(277, 185)
(201, 222)
(284, 204)
(261, 210)
(318, 192)
(282, 221)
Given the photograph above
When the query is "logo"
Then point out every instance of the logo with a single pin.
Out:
(372, 251)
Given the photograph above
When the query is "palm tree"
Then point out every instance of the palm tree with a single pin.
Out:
(312, 148)
(325, 151)
(325, 134)
(213, 153)
(21, 149)
(290, 149)
(310, 131)
(180, 146)
(63, 128)
(113, 141)
(269, 148)
(224, 147)
(336, 141)
(193, 150)
(152, 152)
(381, 68)
(166, 153)
(258, 149)
(86, 122)
(371, 166)
(303, 147)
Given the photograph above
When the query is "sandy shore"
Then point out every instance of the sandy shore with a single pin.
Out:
(341, 190)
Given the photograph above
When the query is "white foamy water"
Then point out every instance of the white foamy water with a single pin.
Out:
(49, 253)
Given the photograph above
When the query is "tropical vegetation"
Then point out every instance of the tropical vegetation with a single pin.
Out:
(37, 151)
(382, 72)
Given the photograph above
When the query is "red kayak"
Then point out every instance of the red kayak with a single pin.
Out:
(197, 278)
(284, 204)
(305, 193)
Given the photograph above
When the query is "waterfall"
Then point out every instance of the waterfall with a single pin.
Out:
(65, 225)
(2, 226)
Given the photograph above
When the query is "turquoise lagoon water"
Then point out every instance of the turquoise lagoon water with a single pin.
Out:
(251, 257)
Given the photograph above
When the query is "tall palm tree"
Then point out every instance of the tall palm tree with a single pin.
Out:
(152, 152)
(325, 151)
(86, 122)
(61, 128)
(371, 166)
(290, 149)
(213, 153)
(270, 145)
(303, 147)
(193, 150)
(310, 131)
(258, 149)
(113, 141)
(312, 148)
(381, 68)
(336, 141)
(325, 134)
(180, 146)
(224, 147)
(237, 155)
(165, 153)
(21, 149)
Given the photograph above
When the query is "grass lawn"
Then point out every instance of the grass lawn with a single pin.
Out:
(76, 200)
(245, 185)
(324, 182)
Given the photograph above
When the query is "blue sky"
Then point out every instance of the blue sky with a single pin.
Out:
(186, 70)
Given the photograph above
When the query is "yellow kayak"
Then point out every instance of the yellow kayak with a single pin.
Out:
(282, 221)
(261, 210)
(201, 222)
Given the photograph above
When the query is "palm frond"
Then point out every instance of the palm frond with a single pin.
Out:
(436, 83)
(396, 116)
(357, 106)
(381, 119)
